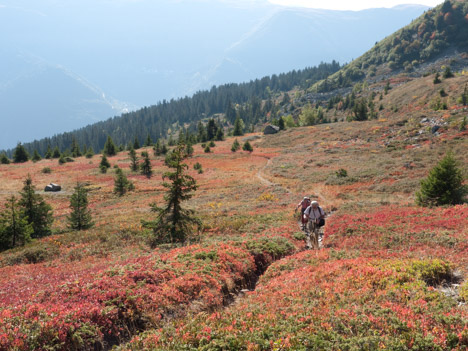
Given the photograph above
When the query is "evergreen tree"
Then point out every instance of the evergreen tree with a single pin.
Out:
(90, 152)
(230, 112)
(133, 160)
(136, 144)
(171, 141)
(281, 124)
(211, 129)
(36, 157)
(464, 97)
(75, 148)
(444, 185)
(148, 141)
(247, 147)
(463, 124)
(121, 183)
(198, 167)
(207, 149)
(109, 147)
(360, 111)
(61, 160)
(4, 160)
(14, 227)
(201, 130)
(48, 154)
(448, 72)
(38, 212)
(437, 78)
(104, 165)
(219, 134)
(145, 167)
(80, 216)
(56, 153)
(20, 154)
(235, 146)
(174, 223)
(238, 127)
(164, 149)
(157, 148)
(189, 150)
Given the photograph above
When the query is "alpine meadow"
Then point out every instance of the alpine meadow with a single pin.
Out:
(177, 226)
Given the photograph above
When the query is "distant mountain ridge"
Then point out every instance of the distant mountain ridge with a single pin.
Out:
(143, 52)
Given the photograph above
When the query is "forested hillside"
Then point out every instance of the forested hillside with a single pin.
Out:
(442, 28)
(166, 116)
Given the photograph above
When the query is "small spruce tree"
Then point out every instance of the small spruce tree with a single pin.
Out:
(207, 149)
(56, 153)
(20, 154)
(133, 160)
(235, 146)
(4, 160)
(437, 78)
(104, 164)
(39, 213)
(121, 183)
(238, 127)
(48, 154)
(281, 124)
(80, 216)
(247, 147)
(174, 223)
(444, 185)
(14, 227)
(36, 157)
(145, 167)
(448, 72)
(90, 152)
(109, 147)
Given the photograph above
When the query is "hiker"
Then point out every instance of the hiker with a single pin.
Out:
(315, 213)
(304, 204)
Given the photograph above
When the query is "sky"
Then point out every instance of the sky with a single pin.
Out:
(354, 5)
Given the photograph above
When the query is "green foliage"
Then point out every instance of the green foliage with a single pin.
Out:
(46, 170)
(38, 212)
(281, 124)
(360, 110)
(211, 144)
(89, 152)
(207, 149)
(56, 152)
(136, 143)
(4, 160)
(36, 157)
(174, 223)
(247, 147)
(444, 185)
(148, 141)
(437, 78)
(145, 167)
(342, 173)
(61, 160)
(238, 127)
(448, 73)
(198, 167)
(104, 164)
(75, 148)
(235, 146)
(80, 216)
(109, 147)
(134, 159)
(20, 154)
(14, 227)
(121, 183)
(463, 124)
(464, 97)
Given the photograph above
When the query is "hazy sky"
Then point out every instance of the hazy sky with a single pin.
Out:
(353, 4)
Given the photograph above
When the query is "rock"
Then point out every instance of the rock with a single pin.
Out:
(425, 120)
(435, 129)
(270, 129)
(53, 187)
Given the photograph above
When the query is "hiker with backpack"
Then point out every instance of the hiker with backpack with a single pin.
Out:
(304, 204)
(315, 213)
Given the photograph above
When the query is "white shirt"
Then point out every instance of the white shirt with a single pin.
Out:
(314, 213)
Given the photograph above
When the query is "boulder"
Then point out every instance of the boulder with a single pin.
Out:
(435, 129)
(53, 187)
(270, 129)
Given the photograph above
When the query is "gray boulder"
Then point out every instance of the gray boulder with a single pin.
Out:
(270, 129)
(53, 187)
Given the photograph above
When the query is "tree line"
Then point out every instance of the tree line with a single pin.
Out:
(161, 120)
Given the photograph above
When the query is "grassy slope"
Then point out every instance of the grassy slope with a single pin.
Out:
(364, 289)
